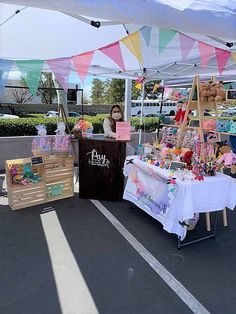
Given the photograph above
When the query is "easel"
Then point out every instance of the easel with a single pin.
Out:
(62, 114)
(200, 107)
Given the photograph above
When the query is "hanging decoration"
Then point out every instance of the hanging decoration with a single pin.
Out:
(222, 57)
(61, 68)
(138, 83)
(81, 63)
(186, 44)
(133, 43)
(146, 33)
(165, 36)
(33, 70)
(233, 54)
(113, 51)
(5, 66)
(206, 52)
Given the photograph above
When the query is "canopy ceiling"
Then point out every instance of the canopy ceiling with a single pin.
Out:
(40, 34)
(209, 17)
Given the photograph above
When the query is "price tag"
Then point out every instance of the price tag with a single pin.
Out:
(175, 165)
(37, 160)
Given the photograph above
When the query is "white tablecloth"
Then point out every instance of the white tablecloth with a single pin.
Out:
(212, 194)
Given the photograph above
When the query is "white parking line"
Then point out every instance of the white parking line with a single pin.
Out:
(194, 305)
(73, 293)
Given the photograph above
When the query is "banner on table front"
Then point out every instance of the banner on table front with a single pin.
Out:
(148, 191)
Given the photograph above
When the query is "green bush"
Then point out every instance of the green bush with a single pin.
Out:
(26, 126)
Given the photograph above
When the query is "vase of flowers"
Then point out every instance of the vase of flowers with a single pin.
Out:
(81, 127)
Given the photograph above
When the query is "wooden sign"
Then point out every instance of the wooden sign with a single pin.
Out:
(37, 160)
(175, 165)
(231, 94)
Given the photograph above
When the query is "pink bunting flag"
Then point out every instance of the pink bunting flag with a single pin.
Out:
(186, 44)
(222, 57)
(113, 51)
(206, 52)
(61, 68)
(81, 63)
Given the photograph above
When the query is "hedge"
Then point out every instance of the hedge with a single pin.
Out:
(26, 126)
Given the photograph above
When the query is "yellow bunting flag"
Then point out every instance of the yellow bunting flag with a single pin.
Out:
(233, 54)
(133, 43)
(138, 85)
(155, 87)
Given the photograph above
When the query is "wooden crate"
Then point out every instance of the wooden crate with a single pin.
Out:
(58, 168)
(57, 182)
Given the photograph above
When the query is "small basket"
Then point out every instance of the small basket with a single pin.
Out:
(60, 153)
(44, 153)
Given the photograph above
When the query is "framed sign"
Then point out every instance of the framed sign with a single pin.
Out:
(231, 94)
(123, 131)
(37, 160)
(175, 165)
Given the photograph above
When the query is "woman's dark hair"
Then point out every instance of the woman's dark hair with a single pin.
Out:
(113, 122)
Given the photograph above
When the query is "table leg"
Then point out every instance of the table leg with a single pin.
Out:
(213, 235)
(208, 222)
(225, 222)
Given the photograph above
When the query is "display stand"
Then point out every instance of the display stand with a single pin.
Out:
(56, 182)
(101, 165)
(200, 107)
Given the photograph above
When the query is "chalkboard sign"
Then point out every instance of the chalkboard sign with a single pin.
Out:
(231, 94)
(37, 160)
(175, 165)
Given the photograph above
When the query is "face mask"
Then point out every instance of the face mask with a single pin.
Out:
(116, 116)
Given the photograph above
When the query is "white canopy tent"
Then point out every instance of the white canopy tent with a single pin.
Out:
(43, 34)
(210, 17)
(37, 33)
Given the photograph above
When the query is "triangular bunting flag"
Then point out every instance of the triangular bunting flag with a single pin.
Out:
(5, 66)
(81, 63)
(222, 57)
(133, 43)
(206, 52)
(165, 36)
(146, 33)
(186, 44)
(61, 68)
(33, 69)
(113, 51)
(233, 54)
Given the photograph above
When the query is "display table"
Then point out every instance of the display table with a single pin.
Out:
(101, 162)
(147, 188)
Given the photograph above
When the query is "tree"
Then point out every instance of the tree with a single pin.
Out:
(22, 95)
(47, 95)
(116, 91)
(98, 91)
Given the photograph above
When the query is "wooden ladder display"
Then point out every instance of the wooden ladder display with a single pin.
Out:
(194, 103)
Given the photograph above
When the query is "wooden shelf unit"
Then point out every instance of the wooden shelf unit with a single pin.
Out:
(57, 182)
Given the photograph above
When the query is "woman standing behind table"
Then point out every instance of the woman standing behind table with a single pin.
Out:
(109, 124)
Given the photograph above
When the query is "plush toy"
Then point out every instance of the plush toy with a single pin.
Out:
(228, 158)
(188, 158)
(220, 92)
(178, 116)
(209, 125)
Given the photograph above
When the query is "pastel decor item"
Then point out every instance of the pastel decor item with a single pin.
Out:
(228, 158)
(82, 63)
(233, 127)
(209, 125)
(33, 69)
(113, 51)
(133, 43)
(186, 44)
(61, 68)
(165, 36)
(41, 145)
(206, 52)
(222, 57)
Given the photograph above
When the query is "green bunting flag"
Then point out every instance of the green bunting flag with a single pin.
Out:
(31, 71)
(165, 36)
